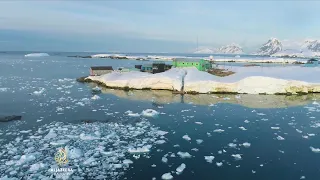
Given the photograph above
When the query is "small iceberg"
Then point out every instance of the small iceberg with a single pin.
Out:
(96, 89)
(150, 113)
(36, 55)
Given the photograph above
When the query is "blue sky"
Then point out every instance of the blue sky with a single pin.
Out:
(153, 26)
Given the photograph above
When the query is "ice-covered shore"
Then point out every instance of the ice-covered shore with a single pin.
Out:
(247, 80)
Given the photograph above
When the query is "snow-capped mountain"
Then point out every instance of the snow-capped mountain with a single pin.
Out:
(312, 45)
(307, 49)
(293, 53)
(231, 49)
(206, 50)
(228, 49)
(272, 46)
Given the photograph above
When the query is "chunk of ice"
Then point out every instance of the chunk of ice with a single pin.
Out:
(218, 130)
(199, 141)
(209, 159)
(246, 144)
(167, 176)
(219, 164)
(186, 137)
(150, 113)
(161, 141)
(280, 138)
(144, 149)
(51, 134)
(242, 128)
(236, 156)
(164, 159)
(95, 97)
(184, 155)
(180, 169)
(232, 145)
(315, 150)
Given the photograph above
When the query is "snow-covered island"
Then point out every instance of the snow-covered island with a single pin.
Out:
(246, 80)
(36, 55)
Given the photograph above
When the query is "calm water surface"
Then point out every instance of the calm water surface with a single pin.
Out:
(214, 136)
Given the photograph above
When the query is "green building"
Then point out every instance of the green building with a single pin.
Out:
(201, 65)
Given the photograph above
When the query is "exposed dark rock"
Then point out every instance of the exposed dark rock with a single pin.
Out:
(83, 79)
(10, 118)
(81, 56)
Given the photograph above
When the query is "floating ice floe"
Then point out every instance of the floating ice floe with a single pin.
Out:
(4, 89)
(261, 114)
(195, 149)
(25, 131)
(276, 128)
(299, 131)
(219, 164)
(39, 92)
(95, 97)
(200, 123)
(246, 121)
(242, 128)
(51, 134)
(218, 130)
(36, 55)
(186, 137)
(246, 144)
(150, 113)
(180, 169)
(199, 141)
(130, 113)
(167, 176)
(232, 145)
(80, 103)
(161, 141)
(162, 133)
(280, 138)
(164, 159)
(184, 155)
(236, 156)
(144, 149)
(209, 159)
(315, 150)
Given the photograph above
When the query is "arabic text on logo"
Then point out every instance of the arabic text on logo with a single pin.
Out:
(61, 157)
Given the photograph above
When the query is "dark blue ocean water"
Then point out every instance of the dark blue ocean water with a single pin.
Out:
(281, 130)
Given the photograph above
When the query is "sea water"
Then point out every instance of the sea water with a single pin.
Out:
(147, 134)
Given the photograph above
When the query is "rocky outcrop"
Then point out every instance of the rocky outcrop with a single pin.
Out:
(10, 118)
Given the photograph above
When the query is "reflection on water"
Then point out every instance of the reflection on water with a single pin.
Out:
(247, 100)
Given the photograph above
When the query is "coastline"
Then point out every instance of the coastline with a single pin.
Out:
(192, 81)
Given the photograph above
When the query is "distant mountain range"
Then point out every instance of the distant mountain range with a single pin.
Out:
(273, 47)
(228, 49)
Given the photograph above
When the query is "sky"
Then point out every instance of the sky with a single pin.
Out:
(153, 26)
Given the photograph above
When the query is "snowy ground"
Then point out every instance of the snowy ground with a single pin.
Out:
(250, 80)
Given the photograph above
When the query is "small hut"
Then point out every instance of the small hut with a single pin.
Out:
(100, 70)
